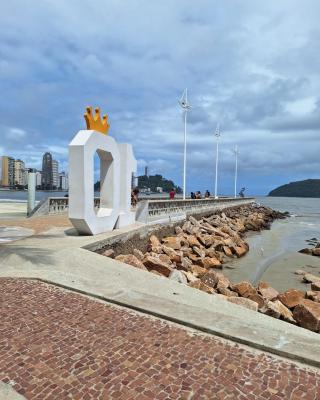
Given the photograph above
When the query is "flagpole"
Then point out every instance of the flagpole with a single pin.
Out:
(217, 135)
(185, 106)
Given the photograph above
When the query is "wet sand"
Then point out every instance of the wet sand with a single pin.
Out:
(274, 257)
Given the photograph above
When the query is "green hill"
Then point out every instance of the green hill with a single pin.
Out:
(154, 181)
(307, 188)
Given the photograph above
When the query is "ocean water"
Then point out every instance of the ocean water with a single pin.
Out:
(273, 254)
(16, 196)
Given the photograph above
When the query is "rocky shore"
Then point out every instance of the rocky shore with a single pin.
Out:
(315, 250)
(195, 255)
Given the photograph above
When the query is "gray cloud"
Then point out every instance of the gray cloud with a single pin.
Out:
(251, 65)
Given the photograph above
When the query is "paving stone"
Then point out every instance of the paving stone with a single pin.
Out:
(56, 344)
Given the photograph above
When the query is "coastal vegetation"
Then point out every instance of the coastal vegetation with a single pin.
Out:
(153, 182)
(306, 188)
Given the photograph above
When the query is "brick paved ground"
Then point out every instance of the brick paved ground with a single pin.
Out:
(55, 344)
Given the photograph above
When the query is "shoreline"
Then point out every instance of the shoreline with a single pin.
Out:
(197, 255)
(279, 259)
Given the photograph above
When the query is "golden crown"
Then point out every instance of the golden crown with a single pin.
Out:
(95, 123)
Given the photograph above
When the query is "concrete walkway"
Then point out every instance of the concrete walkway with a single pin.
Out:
(58, 257)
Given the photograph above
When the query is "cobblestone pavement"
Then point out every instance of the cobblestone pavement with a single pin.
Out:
(55, 344)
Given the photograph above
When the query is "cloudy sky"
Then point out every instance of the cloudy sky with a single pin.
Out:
(253, 66)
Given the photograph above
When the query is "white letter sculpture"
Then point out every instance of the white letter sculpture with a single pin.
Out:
(117, 163)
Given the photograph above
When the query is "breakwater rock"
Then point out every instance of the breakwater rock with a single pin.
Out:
(195, 255)
(314, 250)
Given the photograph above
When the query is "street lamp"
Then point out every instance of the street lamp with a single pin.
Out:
(185, 107)
(217, 134)
(236, 153)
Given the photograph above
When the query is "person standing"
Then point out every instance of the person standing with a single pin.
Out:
(172, 194)
(134, 196)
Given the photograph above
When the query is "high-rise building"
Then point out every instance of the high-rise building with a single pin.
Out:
(146, 171)
(47, 175)
(55, 174)
(7, 171)
(63, 181)
(19, 173)
(38, 179)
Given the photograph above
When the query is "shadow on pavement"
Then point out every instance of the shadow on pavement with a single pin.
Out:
(34, 255)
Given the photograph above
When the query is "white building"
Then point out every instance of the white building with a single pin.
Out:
(38, 178)
(55, 174)
(19, 173)
(63, 181)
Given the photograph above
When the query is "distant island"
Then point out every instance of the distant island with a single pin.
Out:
(307, 188)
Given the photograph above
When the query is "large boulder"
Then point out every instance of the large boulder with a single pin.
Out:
(178, 276)
(247, 303)
(310, 278)
(300, 272)
(266, 291)
(174, 242)
(314, 296)
(166, 259)
(291, 297)
(199, 252)
(306, 251)
(154, 241)
(223, 281)
(190, 277)
(210, 262)
(154, 244)
(244, 288)
(227, 292)
(315, 286)
(154, 263)
(240, 250)
(276, 309)
(194, 221)
(138, 254)
(316, 252)
(257, 298)
(108, 253)
(131, 260)
(227, 251)
(201, 286)
(210, 278)
(193, 241)
(307, 314)
(197, 270)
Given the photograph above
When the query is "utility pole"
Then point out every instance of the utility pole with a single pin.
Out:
(217, 134)
(236, 153)
(185, 107)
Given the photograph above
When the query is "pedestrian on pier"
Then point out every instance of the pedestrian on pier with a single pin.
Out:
(134, 197)
(172, 194)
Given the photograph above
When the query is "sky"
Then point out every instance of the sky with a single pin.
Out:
(251, 66)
